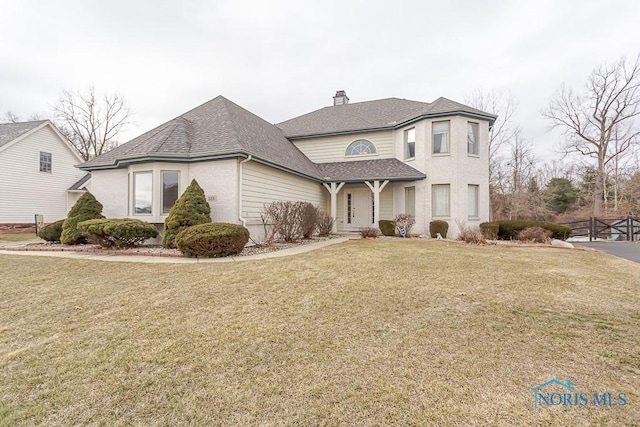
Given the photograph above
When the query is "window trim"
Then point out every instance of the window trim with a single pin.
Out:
(471, 125)
(359, 142)
(46, 165)
(448, 141)
(433, 199)
(407, 142)
(476, 214)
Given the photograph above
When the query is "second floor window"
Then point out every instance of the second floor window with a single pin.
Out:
(472, 138)
(360, 147)
(45, 162)
(410, 143)
(440, 137)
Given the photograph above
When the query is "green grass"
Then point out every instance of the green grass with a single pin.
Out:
(372, 332)
(17, 237)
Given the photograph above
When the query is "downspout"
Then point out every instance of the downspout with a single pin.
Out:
(240, 217)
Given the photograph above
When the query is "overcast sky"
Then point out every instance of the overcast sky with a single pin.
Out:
(280, 58)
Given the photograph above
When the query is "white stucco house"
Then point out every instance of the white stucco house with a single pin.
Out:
(38, 174)
(361, 162)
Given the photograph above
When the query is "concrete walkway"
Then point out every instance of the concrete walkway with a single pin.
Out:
(627, 250)
(168, 260)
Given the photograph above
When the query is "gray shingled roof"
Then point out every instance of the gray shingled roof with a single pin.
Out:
(371, 115)
(361, 170)
(80, 184)
(11, 131)
(216, 129)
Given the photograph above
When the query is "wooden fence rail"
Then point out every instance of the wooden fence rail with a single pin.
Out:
(627, 228)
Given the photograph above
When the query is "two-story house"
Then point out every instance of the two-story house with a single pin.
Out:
(37, 173)
(361, 162)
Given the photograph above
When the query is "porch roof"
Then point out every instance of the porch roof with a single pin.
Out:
(368, 170)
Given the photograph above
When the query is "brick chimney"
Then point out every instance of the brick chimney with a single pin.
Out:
(341, 98)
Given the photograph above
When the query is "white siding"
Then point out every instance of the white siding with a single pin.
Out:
(386, 203)
(262, 185)
(24, 190)
(332, 148)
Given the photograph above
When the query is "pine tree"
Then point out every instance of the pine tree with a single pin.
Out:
(190, 209)
(87, 207)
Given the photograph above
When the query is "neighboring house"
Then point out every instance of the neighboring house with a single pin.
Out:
(37, 170)
(361, 162)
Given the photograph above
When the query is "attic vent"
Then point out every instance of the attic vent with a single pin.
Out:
(341, 98)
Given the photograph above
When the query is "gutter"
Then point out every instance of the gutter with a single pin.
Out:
(240, 217)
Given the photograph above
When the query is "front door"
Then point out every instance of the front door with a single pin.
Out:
(359, 212)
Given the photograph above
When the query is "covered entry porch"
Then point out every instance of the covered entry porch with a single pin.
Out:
(363, 192)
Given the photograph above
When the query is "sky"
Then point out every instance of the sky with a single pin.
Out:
(280, 59)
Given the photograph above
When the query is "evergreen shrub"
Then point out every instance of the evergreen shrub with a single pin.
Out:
(87, 207)
(51, 232)
(387, 227)
(124, 233)
(212, 240)
(190, 209)
(438, 226)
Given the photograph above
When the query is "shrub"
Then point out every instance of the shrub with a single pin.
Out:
(308, 219)
(325, 224)
(535, 235)
(489, 230)
(509, 229)
(124, 233)
(369, 232)
(405, 221)
(190, 209)
(87, 207)
(387, 227)
(51, 232)
(469, 235)
(438, 226)
(291, 220)
(212, 240)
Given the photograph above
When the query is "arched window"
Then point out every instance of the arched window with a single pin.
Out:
(360, 147)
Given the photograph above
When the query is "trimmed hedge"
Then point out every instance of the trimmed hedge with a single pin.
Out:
(509, 230)
(51, 232)
(124, 233)
(438, 226)
(489, 230)
(212, 240)
(387, 227)
(87, 207)
(190, 209)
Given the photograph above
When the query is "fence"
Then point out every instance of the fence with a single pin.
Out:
(620, 229)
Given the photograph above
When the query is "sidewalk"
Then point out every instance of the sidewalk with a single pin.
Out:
(164, 260)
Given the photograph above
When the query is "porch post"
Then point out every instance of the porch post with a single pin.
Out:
(334, 188)
(376, 189)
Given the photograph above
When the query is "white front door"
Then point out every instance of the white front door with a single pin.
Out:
(359, 212)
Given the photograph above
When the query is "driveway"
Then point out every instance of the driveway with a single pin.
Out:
(628, 250)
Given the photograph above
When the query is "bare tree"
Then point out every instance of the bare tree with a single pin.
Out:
(503, 132)
(600, 123)
(91, 124)
(11, 117)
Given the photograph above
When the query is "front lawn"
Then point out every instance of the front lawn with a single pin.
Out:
(17, 237)
(375, 332)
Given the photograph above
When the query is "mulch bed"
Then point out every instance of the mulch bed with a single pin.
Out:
(155, 250)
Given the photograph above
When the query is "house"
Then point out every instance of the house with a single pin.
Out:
(37, 172)
(361, 162)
